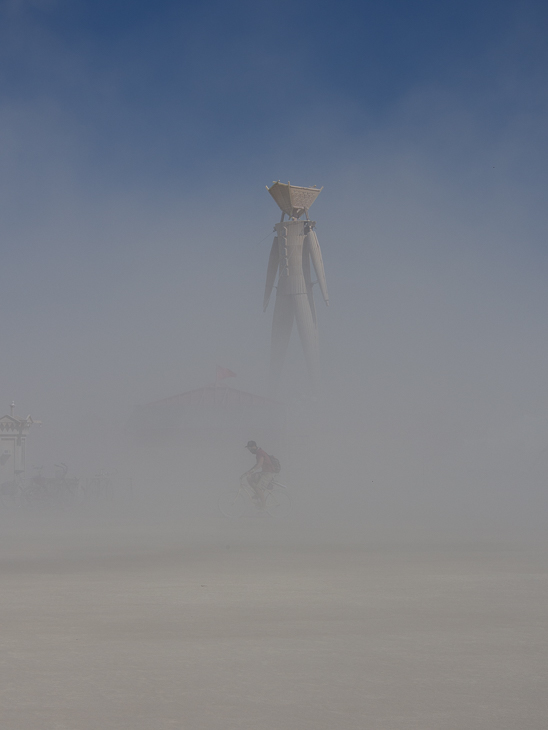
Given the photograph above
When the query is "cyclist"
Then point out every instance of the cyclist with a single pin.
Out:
(260, 476)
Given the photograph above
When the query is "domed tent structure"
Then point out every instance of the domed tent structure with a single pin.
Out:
(192, 443)
(215, 415)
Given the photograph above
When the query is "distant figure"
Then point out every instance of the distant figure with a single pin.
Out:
(260, 476)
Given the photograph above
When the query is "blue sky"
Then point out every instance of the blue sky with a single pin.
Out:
(135, 143)
(206, 86)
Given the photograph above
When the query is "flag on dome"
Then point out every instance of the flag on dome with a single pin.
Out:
(223, 373)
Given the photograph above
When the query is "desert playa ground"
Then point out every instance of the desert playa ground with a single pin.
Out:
(245, 626)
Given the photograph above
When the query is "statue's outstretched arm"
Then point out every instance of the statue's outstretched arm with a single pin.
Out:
(316, 256)
(308, 279)
(271, 272)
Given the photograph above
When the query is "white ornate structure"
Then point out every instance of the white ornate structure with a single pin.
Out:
(294, 246)
(13, 434)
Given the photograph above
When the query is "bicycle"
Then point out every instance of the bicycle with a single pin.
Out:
(62, 490)
(11, 492)
(35, 492)
(98, 487)
(244, 502)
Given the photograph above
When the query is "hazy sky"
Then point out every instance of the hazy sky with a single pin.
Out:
(136, 140)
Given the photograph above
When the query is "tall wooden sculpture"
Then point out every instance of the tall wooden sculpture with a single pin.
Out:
(294, 246)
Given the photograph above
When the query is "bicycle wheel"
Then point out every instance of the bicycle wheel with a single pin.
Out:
(234, 504)
(62, 494)
(10, 494)
(36, 497)
(278, 502)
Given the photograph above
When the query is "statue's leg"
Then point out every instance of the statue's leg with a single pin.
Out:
(308, 333)
(282, 324)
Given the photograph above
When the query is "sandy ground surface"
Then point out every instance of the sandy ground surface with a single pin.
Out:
(242, 626)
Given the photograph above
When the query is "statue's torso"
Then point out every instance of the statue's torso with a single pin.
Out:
(291, 236)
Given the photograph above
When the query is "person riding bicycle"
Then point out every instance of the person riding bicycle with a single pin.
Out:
(260, 476)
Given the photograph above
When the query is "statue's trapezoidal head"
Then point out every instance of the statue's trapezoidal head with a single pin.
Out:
(292, 199)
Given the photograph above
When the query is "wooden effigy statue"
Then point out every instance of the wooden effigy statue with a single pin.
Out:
(294, 246)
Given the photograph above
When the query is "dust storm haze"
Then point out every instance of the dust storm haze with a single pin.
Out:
(135, 146)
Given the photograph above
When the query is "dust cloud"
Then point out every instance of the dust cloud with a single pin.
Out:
(406, 586)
